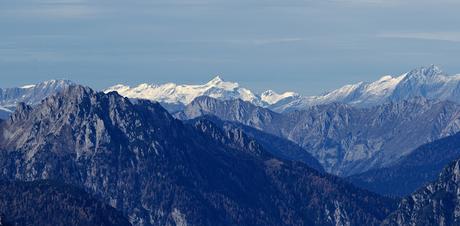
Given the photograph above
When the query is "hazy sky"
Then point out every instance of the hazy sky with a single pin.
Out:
(308, 46)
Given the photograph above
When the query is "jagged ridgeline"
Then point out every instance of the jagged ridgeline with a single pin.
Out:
(157, 170)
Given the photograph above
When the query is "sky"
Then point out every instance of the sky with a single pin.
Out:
(307, 46)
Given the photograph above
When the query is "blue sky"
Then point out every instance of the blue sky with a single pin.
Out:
(308, 46)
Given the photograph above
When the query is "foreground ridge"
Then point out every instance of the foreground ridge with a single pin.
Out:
(159, 171)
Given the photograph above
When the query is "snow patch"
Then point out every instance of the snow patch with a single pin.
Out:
(27, 86)
(271, 97)
(5, 109)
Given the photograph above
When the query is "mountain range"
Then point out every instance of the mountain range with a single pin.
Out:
(346, 140)
(219, 154)
(349, 136)
(157, 170)
(176, 96)
(428, 82)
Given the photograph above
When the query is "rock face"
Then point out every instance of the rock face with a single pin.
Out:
(44, 203)
(346, 140)
(158, 171)
(423, 165)
(436, 204)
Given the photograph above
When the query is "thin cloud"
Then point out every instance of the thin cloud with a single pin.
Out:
(52, 9)
(433, 36)
(277, 41)
(255, 41)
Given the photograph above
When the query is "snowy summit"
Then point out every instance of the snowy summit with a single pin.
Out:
(173, 93)
(429, 82)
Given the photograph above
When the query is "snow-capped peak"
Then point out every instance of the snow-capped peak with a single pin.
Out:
(271, 97)
(216, 80)
(429, 82)
(31, 94)
(184, 94)
(54, 82)
(384, 86)
(426, 75)
(49, 83)
(119, 86)
(430, 71)
(385, 78)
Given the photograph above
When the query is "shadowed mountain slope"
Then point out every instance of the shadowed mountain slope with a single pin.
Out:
(423, 165)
